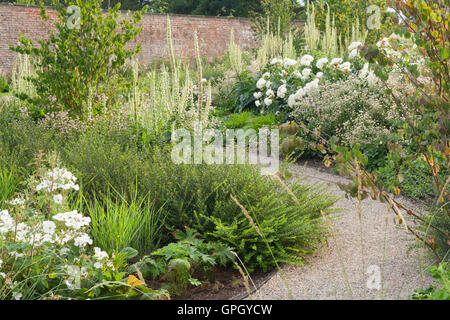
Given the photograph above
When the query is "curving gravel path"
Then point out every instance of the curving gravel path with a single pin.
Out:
(336, 270)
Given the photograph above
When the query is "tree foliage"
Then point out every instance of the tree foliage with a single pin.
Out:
(79, 67)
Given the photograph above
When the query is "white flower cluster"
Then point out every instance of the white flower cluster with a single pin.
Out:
(58, 178)
(304, 73)
(47, 231)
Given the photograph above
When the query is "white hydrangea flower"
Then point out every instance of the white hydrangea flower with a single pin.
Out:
(258, 95)
(306, 72)
(321, 63)
(354, 45)
(353, 54)
(336, 61)
(345, 67)
(282, 90)
(289, 63)
(312, 85)
(306, 60)
(261, 83)
(268, 101)
(276, 61)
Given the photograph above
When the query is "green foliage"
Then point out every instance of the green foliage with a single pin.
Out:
(246, 120)
(8, 183)
(177, 262)
(345, 13)
(290, 228)
(441, 274)
(118, 224)
(44, 252)
(275, 16)
(415, 179)
(4, 85)
(79, 67)
(426, 23)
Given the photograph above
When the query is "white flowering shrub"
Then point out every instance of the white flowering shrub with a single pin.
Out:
(284, 83)
(45, 248)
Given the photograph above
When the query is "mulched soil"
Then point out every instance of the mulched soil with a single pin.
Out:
(223, 285)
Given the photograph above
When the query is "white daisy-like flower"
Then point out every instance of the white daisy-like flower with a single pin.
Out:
(48, 227)
(58, 198)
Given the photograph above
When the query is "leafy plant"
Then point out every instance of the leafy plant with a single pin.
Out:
(441, 274)
(78, 68)
(179, 261)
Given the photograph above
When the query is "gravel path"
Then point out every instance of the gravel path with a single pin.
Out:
(336, 270)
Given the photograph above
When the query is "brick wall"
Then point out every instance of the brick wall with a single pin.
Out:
(213, 32)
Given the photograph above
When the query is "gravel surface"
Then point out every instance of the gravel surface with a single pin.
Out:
(339, 270)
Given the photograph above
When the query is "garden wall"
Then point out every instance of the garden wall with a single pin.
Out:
(213, 32)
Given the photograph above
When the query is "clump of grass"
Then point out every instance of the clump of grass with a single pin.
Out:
(118, 223)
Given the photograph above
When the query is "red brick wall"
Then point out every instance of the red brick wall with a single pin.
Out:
(213, 32)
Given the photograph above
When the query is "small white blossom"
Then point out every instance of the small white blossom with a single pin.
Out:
(58, 198)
